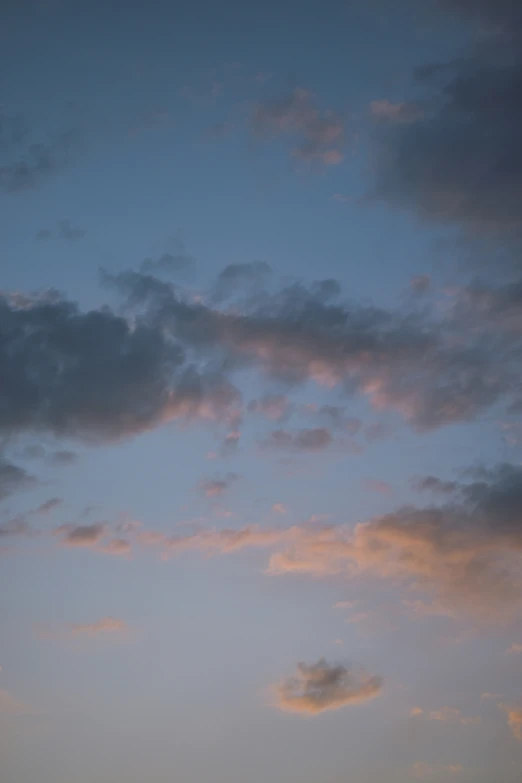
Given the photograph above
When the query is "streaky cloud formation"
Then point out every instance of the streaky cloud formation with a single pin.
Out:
(446, 715)
(407, 361)
(105, 625)
(321, 686)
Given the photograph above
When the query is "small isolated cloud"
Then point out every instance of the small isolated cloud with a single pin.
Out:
(514, 716)
(82, 535)
(279, 508)
(69, 232)
(213, 488)
(315, 439)
(107, 625)
(381, 487)
(395, 112)
(515, 649)
(321, 686)
(317, 135)
(490, 696)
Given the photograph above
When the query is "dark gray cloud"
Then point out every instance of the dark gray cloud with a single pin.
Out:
(92, 375)
(436, 485)
(461, 161)
(100, 376)
(13, 478)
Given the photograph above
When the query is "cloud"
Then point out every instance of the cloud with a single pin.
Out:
(423, 771)
(273, 406)
(381, 487)
(94, 375)
(404, 360)
(318, 136)
(26, 163)
(82, 535)
(177, 262)
(445, 715)
(515, 649)
(13, 479)
(17, 526)
(420, 284)
(321, 686)
(116, 546)
(216, 487)
(214, 542)
(65, 231)
(464, 554)
(315, 439)
(467, 553)
(514, 716)
(395, 112)
(279, 508)
(49, 505)
(435, 485)
(63, 457)
(105, 625)
(10, 705)
(460, 162)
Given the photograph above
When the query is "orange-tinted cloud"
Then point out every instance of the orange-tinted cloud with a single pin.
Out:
(445, 715)
(514, 716)
(103, 626)
(319, 687)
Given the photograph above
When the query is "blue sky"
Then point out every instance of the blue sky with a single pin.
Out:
(253, 524)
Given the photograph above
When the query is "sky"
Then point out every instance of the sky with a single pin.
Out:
(260, 391)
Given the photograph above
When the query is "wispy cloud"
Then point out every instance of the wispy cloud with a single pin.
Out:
(318, 136)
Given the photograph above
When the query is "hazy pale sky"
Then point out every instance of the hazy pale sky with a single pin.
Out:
(261, 391)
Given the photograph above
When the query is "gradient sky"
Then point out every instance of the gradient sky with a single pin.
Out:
(260, 391)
